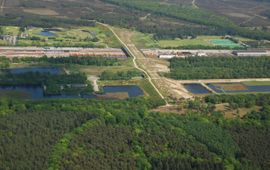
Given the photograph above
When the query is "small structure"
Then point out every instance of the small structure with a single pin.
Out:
(165, 56)
(201, 54)
(10, 39)
(252, 53)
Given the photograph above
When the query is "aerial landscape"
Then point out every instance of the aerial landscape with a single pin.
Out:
(135, 84)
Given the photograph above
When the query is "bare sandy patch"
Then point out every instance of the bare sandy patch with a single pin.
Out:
(238, 15)
(41, 11)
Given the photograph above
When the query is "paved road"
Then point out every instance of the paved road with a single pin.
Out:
(132, 51)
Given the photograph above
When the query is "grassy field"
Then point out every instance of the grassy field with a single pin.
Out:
(125, 65)
(10, 30)
(97, 36)
(144, 40)
(147, 41)
(257, 83)
(201, 40)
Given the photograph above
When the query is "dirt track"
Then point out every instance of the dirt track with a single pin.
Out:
(2, 6)
(167, 88)
(222, 80)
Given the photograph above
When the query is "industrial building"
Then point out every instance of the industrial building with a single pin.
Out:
(252, 53)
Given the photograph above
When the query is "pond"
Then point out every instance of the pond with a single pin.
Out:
(51, 70)
(133, 91)
(36, 92)
(196, 89)
(248, 89)
(47, 34)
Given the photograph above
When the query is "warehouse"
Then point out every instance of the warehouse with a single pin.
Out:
(252, 53)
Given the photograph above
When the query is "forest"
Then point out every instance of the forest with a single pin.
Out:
(219, 67)
(102, 134)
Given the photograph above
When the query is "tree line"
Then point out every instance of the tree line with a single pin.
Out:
(219, 67)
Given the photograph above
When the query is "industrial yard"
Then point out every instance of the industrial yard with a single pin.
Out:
(60, 52)
(174, 53)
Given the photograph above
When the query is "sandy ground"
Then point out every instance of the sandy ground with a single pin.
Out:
(94, 80)
(170, 89)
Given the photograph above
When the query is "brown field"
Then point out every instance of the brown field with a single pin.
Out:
(233, 113)
(119, 95)
(243, 12)
(232, 86)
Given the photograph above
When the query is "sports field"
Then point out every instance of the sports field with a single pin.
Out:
(225, 43)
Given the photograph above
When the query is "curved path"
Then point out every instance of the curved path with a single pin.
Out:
(135, 62)
(194, 4)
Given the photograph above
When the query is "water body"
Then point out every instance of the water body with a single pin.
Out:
(196, 89)
(36, 92)
(249, 89)
(47, 34)
(51, 70)
(133, 91)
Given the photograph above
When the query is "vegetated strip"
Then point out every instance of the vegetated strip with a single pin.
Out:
(61, 147)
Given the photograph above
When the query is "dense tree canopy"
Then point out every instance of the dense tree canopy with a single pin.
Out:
(63, 134)
(219, 67)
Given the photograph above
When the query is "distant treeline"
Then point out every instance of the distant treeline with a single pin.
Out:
(86, 60)
(193, 15)
(219, 67)
(26, 20)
